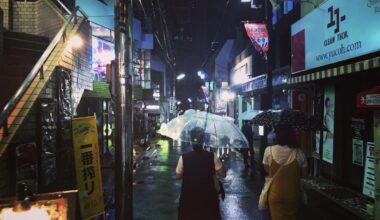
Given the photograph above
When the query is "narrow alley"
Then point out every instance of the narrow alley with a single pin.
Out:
(156, 191)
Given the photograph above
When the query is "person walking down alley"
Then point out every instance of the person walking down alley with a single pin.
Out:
(247, 131)
(290, 162)
(199, 198)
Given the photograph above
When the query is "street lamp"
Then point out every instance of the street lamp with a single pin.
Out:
(180, 76)
(201, 74)
(75, 42)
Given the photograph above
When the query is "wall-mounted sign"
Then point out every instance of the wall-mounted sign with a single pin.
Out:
(242, 71)
(343, 33)
(259, 82)
(369, 171)
(281, 79)
(369, 98)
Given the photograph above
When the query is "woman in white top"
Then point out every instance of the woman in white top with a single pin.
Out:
(284, 193)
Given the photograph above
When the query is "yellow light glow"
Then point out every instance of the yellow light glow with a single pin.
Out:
(76, 42)
(33, 213)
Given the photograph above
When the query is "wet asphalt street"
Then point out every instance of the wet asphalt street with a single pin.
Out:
(156, 191)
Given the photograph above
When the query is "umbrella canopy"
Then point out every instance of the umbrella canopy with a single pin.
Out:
(170, 129)
(294, 118)
(218, 131)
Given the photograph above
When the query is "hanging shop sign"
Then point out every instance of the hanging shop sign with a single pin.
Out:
(343, 33)
(259, 82)
(87, 166)
(259, 36)
(369, 171)
(369, 99)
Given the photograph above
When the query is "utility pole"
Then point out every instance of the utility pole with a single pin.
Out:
(124, 133)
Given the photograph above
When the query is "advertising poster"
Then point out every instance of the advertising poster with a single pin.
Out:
(357, 151)
(87, 167)
(317, 142)
(369, 171)
(103, 53)
(328, 121)
(358, 134)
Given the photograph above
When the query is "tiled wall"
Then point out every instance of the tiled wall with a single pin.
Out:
(49, 21)
(40, 17)
(4, 5)
(79, 61)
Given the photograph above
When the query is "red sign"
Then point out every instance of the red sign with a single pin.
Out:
(369, 98)
(258, 34)
(298, 51)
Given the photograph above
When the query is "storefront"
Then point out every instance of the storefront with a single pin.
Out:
(250, 101)
(280, 77)
(337, 63)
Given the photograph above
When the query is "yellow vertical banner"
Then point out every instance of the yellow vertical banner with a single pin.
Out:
(87, 166)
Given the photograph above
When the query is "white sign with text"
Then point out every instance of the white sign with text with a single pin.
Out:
(337, 30)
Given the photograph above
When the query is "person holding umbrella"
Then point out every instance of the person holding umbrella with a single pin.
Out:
(199, 198)
(290, 162)
(247, 131)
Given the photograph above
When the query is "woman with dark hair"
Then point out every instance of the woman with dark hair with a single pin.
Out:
(199, 198)
(284, 193)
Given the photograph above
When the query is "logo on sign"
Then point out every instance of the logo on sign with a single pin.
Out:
(335, 22)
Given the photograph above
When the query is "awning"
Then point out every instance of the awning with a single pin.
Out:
(337, 71)
(249, 114)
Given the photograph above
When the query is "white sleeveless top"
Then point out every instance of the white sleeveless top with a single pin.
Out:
(281, 154)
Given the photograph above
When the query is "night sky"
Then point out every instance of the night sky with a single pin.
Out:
(190, 33)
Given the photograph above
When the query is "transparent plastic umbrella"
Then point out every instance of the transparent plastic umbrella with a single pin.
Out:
(218, 131)
(170, 129)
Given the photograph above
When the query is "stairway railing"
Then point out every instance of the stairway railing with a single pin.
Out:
(37, 69)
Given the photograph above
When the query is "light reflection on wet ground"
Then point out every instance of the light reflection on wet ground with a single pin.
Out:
(156, 190)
